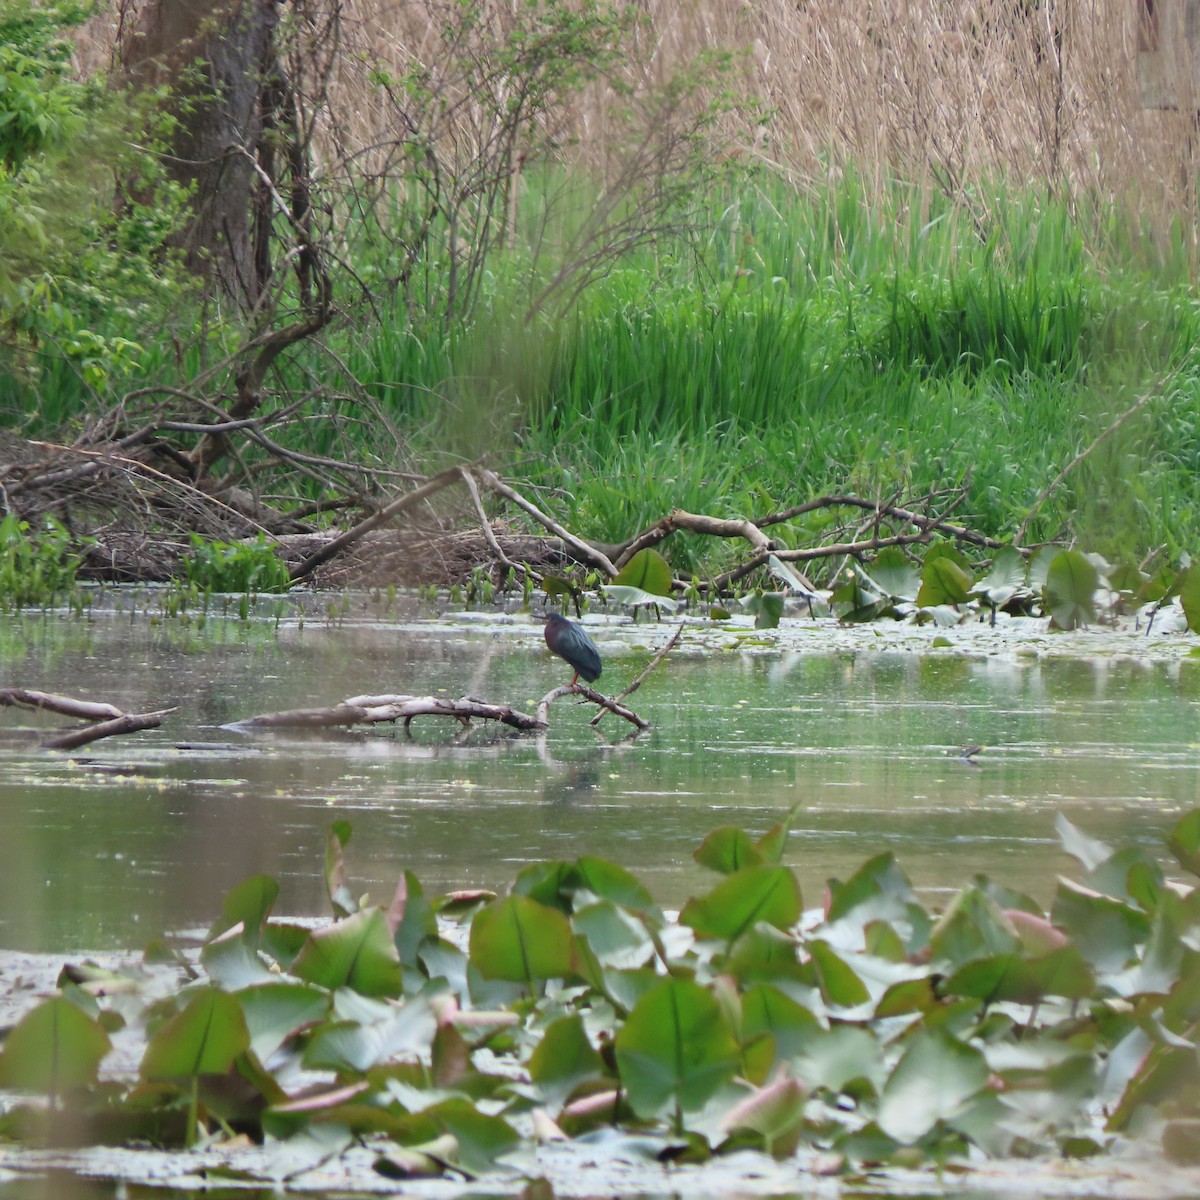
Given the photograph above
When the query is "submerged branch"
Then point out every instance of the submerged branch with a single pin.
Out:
(371, 710)
(109, 721)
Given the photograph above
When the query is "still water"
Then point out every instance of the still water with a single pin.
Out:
(135, 836)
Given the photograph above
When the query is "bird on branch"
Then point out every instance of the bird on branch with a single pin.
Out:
(570, 642)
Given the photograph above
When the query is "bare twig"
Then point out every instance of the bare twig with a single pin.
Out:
(385, 514)
(582, 689)
(637, 683)
(582, 551)
(485, 526)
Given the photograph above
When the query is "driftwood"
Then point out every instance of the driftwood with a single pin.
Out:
(110, 720)
(370, 710)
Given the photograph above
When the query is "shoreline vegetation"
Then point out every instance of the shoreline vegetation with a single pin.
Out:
(625, 265)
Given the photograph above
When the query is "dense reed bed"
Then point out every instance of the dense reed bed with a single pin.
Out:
(951, 247)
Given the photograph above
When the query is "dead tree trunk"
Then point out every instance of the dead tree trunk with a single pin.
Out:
(218, 59)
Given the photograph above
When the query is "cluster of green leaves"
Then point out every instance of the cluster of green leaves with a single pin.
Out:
(1069, 587)
(36, 567)
(235, 567)
(82, 276)
(876, 1030)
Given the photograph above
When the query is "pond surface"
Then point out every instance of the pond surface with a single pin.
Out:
(133, 836)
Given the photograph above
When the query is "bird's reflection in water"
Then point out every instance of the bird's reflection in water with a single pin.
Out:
(576, 782)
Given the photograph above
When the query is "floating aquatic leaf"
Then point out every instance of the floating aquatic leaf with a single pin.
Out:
(612, 882)
(1106, 931)
(1088, 850)
(767, 1009)
(519, 940)
(411, 919)
(639, 598)
(204, 1039)
(1189, 596)
(52, 1048)
(775, 1113)
(741, 900)
(648, 571)
(765, 607)
(335, 869)
(1184, 842)
(1004, 580)
(1070, 590)
(675, 1048)
(357, 952)
(893, 575)
(249, 904)
(275, 1011)
(563, 1060)
(943, 582)
(934, 1080)
(728, 849)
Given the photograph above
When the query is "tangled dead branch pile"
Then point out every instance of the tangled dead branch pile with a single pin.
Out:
(133, 503)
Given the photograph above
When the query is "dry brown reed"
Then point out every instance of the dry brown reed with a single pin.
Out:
(956, 94)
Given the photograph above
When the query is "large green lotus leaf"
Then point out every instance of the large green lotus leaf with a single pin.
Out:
(973, 926)
(943, 581)
(727, 849)
(675, 1048)
(1070, 590)
(893, 575)
(1107, 932)
(275, 1011)
(53, 1047)
(835, 1058)
(616, 937)
(519, 940)
(481, 1138)
(351, 1047)
(356, 952)
(1090, 851)
(840, 985)
(765, 607)
(636, 597)
(1005, 578)
(647, 570)
(232, 962)
(612, 882)
(772, 843)
(1184, 842)
(767, 1009)
(549, 883)
(411, 919)
(1023, 981)
(935, 1079)
(775, 1113)
(878, 891)
(204, 1039)
(249, 904)
(743, 899)
(1188, 584)
(564, 1059)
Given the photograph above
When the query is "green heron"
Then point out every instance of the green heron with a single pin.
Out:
(568, 640)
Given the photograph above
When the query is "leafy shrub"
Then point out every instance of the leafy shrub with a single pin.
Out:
(243, 567)
(35, 567)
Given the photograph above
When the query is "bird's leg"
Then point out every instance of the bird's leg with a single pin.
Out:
(575, 679)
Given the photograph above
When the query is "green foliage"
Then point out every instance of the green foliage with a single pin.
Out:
(84, 274)
(876, 1031)
(36, 568)
(233, 567)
